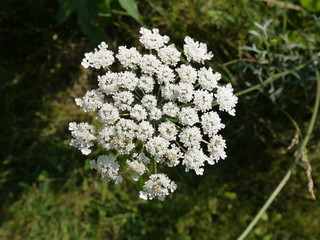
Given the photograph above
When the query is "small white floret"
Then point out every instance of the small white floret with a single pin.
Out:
(158, 186)
(107, 167)
(196, 51)
(226, 99)
(100, 58)
(151, 39)
(91, 101)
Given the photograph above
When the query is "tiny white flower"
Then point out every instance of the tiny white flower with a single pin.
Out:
(171, 109)
(107, 167)
(216, 147)
(123, 100)
(137, 167)
(144, 131)
(191, 137)
(187, 74)
(226, 100)
(196, 51)
(207, 79)
(194, 159)
(173, 156)
(108, 83)
(146, 83)
(149, 101)
(91, 101)
(149, 64)
(211, 123)
(168, 130)
(157, 146)
(158, 186)
(152, 39)
(169, 91)
(108, 114)
(100, 58)
(127, 80)
(138, 112)
(202, 100)
(169, 55)
(129, 58)
(105, 136)
(185, 92)
(155, 113)
(188, 116)
(125, 128)
(165, 74)
(83, 135)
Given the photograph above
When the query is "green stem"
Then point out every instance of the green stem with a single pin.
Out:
(204, 141)
(155, 166)
(292, 167)
(180, 146)
(186, 105)
(247, 10)
(270, 80)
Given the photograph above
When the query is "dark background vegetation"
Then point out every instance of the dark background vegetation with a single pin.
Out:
(47, 188)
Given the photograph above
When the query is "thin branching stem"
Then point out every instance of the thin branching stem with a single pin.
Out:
(292, 167)
(270, 80)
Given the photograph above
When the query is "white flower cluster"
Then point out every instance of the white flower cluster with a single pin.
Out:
(156, 112)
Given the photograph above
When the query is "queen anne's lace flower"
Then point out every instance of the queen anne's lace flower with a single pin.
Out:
(155, 112)
(188, 116)
(146, 83)
(144, 131)
(211, 123)
(158, 186)
(226, 100)
(203, 100)
(169, 55)
(152, 39)
(191, 137)
(108, 83)
(138, 112)
(83, 135)
(187, 74)
(108, 168)
(216, 147)
(91, 101)
(108, 113)
(100, 58)
(168, 130)
(194, 159)
(207, 79)
(196, 51)
(129, 58)
(171, 109)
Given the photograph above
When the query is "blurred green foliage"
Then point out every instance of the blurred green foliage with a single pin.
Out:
(311, 5)
(95, 15)
(47, 188)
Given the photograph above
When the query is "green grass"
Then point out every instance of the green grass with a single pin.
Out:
(47, 188)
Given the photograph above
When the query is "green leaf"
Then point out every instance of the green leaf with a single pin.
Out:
(131, 7)
(311, 5)
(86, 15)
(66, 8)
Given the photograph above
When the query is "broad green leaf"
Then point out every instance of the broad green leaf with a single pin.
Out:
(311, 5)
(131, 7)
